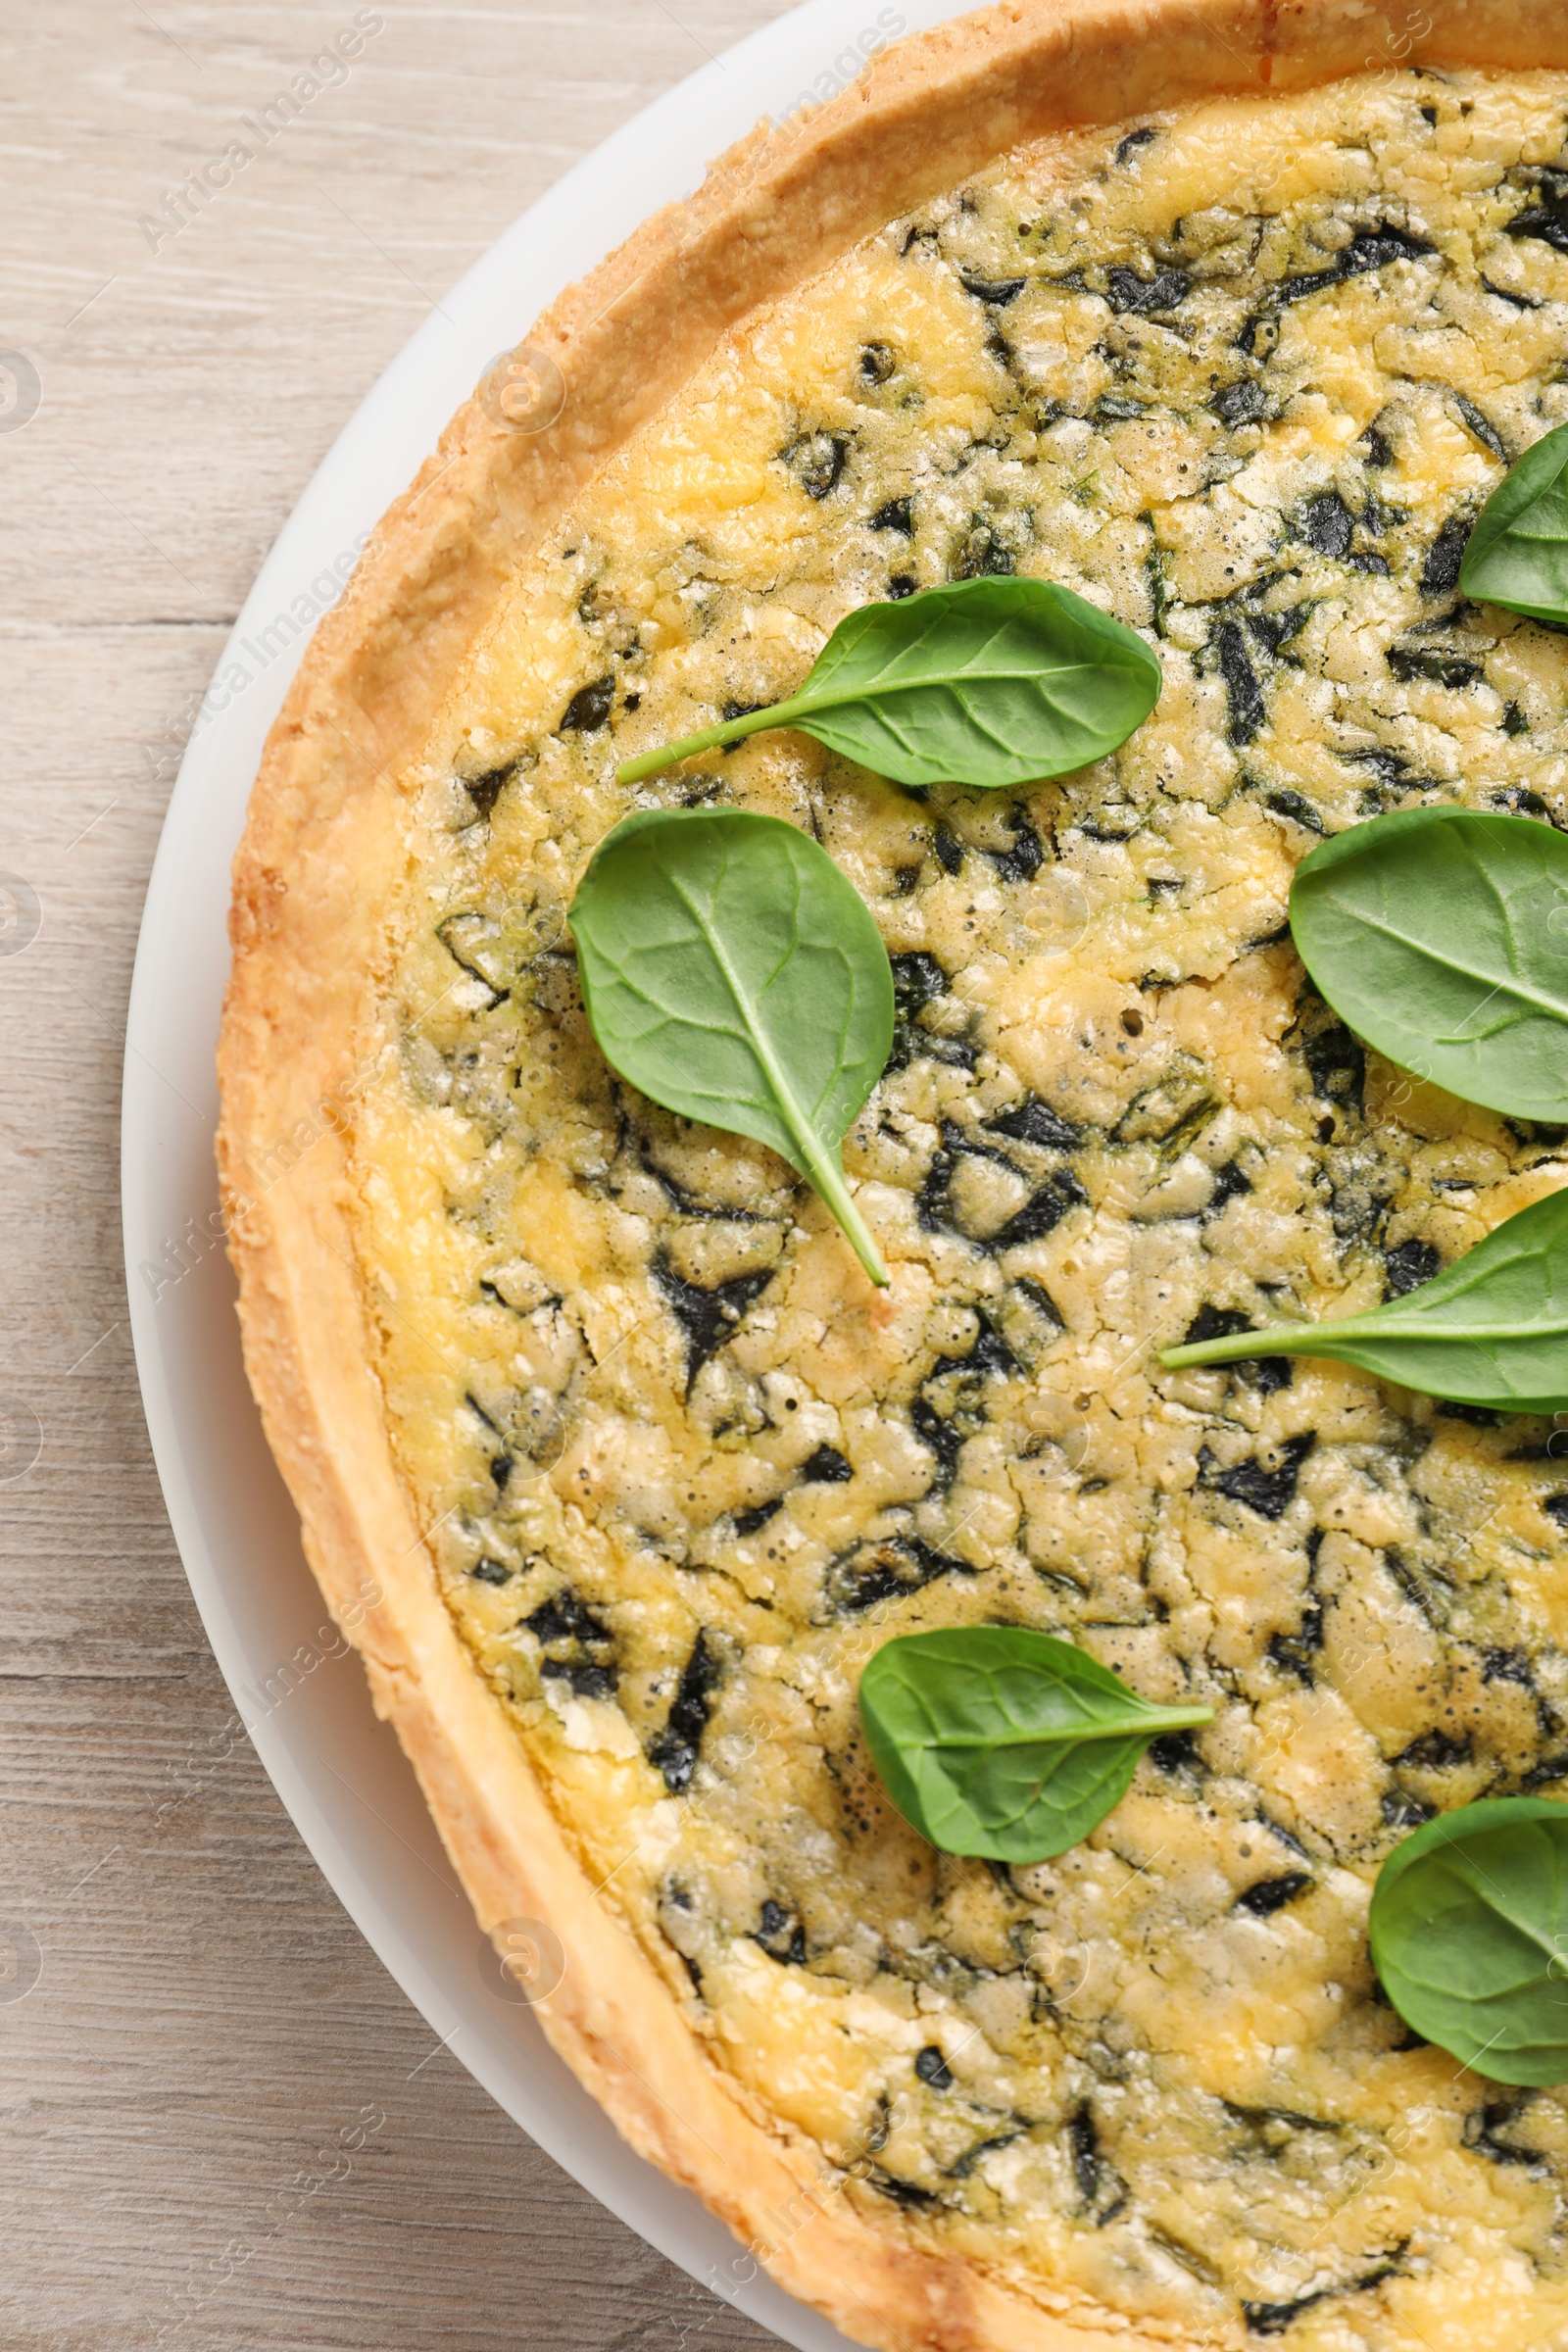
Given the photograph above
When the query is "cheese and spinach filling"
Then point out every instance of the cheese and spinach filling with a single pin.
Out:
(1242, 377)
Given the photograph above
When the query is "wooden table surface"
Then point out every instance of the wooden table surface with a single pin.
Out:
(186, 2015)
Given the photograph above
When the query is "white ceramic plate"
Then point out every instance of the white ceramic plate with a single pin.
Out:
(340, 1773)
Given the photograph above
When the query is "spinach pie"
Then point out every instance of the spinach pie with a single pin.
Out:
(1223, 319)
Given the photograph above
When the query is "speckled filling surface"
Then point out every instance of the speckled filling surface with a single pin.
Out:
(1243, 376)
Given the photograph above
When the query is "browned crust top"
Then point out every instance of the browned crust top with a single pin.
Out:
(317, 868)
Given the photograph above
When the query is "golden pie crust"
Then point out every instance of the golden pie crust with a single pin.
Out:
(323, 856)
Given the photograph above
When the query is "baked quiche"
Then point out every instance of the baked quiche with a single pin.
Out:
(1228, 319)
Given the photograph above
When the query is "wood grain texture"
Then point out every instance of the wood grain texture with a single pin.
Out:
(205, 2020)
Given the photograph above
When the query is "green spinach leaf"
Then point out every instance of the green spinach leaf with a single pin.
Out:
(1518, 551)
(1492, 1329)
(736, 976)
(1441, 935)
(987, 683)
(1469, 1930)
(996, 1741)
